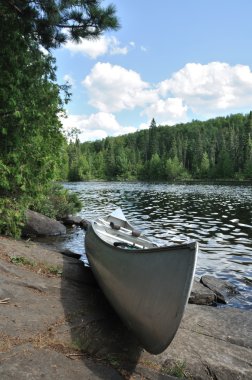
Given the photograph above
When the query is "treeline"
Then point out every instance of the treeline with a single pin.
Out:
(219, 148)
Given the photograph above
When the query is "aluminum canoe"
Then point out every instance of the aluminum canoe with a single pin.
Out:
(147, 285)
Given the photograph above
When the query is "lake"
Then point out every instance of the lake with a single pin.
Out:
(219, 217)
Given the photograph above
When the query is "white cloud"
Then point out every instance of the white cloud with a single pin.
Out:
(143, 48)
(69, 79)
(169, 111)
(113, 88)
(195, 91)
(212, 88)
(145, 125)
(95, 126)
(97, 47)
(43, 50)
(115, 48)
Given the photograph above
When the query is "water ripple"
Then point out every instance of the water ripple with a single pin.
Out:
(218, 217)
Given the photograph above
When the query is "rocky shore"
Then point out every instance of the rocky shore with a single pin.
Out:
(56, 323)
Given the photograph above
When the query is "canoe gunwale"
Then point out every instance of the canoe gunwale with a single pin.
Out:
(191, 246)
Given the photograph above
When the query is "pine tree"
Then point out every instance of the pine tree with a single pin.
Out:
(153, 145)
(204, 165)
(47, 21)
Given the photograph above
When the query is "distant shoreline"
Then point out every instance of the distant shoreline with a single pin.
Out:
(179, 182)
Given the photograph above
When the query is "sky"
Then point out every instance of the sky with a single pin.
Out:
(171, 60)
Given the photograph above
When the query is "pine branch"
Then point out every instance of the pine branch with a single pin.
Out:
(13, 5)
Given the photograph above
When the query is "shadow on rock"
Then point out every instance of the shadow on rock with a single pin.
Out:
(95, 329)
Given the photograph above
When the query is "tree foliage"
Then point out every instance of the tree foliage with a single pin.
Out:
(30, 131)
(217, 148)
(32, 144)
(52, 22)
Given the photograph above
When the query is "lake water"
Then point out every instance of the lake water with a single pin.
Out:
(219, 217)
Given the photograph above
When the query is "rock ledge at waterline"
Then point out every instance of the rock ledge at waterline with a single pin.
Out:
(55, 323)
(37, 224)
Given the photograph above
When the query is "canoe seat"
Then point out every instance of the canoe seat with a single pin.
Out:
(121, 244)
(136, 233)
(114, 226)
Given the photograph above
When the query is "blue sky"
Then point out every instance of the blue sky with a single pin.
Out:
(174, 60)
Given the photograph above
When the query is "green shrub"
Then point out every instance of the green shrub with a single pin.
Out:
(11, 217)
(56, 202)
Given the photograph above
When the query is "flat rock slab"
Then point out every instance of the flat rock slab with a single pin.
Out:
(56, 323)
(211, 343)
(28, 362)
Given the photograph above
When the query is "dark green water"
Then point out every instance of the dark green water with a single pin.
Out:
(219, 217)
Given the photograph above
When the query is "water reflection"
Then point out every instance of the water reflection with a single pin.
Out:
(219, 217)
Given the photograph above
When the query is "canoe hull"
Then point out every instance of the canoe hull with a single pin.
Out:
(148, 288)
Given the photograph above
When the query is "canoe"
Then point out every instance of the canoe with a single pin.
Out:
(147, 285)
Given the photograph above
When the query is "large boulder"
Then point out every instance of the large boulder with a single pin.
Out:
(40, 225)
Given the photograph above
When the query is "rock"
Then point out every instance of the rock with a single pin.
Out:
(75, 270)
(84, 224)
(201, 295)
(61, 326)
(69, 253)
(40, 225)
(211, 343)
(71, 220)
(223, 289)
(49, 364)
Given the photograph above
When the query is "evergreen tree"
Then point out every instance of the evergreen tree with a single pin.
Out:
(31, 138)
(224, 167)
(204, 165)
(32, 144)
(52, 22)
(197, 149)
(155, 167)
(248, 151)
(153, 145)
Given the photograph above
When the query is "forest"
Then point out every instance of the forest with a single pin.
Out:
(219, 148)
(35, 154)
(33, 148)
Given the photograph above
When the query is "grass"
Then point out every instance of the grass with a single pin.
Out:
(177, 370)
(42, 268)
(54, 269)
(21, 260)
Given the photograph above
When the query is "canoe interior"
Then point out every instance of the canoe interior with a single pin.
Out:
(124, 232)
